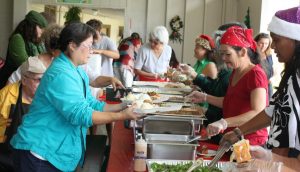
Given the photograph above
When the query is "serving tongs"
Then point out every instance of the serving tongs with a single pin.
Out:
(221, 151)
(196, 164)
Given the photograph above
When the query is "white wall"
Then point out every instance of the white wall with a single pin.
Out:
(135, 18)
(170, 13)
(255, 12)
(6, 18)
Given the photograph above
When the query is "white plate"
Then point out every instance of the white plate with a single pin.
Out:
(162, 98)
(209, 153)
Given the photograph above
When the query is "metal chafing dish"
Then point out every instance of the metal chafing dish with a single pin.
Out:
(164, 124)
(168, 146)
(166, 136)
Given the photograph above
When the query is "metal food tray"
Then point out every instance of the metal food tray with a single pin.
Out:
(224, 166)
(149, 83)
(157, 90)
(169, 146)
(166, 108)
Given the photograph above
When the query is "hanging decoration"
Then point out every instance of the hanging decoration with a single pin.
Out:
(176, 25)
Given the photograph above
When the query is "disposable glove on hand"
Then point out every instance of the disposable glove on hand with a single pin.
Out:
(259, 152)
(188, 70)
(197, 97)
(216, 127)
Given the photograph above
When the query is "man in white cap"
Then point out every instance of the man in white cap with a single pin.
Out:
(14, 103)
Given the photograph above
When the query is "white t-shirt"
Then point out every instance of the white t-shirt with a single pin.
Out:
(106, 44)
(148, 62)
(15, 76)
(93, 70)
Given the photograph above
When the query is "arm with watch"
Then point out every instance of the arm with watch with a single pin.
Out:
(258, 122)
(258, 152)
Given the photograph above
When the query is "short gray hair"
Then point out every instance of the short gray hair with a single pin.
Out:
(161, 34)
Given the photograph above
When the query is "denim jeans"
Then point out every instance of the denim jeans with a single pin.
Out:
(24, 161)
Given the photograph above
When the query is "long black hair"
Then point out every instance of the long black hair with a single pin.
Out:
(292, 67)
(28, 31)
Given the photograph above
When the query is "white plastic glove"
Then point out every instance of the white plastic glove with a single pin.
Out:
(197, 97)
(259, 152)
(188, 70)
(216, 127)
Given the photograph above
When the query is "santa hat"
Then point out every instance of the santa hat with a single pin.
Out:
(286, 23)
(205, 41)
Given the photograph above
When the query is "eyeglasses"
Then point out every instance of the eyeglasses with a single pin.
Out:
(33, 79)
(90, 47)
(154, 41)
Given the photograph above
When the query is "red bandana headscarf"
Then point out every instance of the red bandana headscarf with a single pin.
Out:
(237, 36)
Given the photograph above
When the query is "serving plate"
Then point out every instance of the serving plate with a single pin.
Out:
(209, 153)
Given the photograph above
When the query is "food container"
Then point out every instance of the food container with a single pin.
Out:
(253, 165)
(167, 146)
(173, 125)
(224, 166)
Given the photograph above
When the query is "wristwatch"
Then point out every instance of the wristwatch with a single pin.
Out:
(238, 133)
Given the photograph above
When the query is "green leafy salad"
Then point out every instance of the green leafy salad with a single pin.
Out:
(155, 167)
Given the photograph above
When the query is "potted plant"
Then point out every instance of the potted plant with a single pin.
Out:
(72, 15)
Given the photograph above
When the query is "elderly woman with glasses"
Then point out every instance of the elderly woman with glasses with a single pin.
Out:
(153, 58)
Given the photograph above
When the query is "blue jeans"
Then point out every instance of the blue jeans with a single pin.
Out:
(24, 161)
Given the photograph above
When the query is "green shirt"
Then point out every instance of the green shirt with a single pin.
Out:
(200, 65)
(18, 52)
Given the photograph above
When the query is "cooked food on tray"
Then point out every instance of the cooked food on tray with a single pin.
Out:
(177, 76)
(135, 97)
(177, 85)
(130, 97)
(147, 106)
(156, 167)
(241, 151)
(176, 99)
(187, 111)
(154, 95)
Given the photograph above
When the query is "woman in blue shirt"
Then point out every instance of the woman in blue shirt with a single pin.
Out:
(52, 136)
